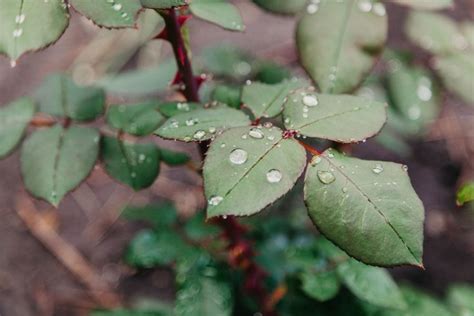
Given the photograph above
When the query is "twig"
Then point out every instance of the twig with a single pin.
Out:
(65, 253)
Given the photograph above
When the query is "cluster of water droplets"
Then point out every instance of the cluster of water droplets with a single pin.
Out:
(424, 93)
(117, 6)
(376, 8)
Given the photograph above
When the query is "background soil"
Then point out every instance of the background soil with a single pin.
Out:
(34, 282)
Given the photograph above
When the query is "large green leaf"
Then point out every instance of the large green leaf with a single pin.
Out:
(266, 100)
(30, 25)
(371, 284)
(60, 96)
(321, 286)
(316, 115)
(202, 124)
(163, 4)
(435, 33)
(338, 42)
(219, 12)
(465, 194)
(426, 4)
(110, 13)
(368, 208)
(414, 94)
(461, 298)
(456, 72)
(201, 295)
(136, 165)
(136, 119)
(14, 119)
(260, 167)
(55, 160)
(282, 6)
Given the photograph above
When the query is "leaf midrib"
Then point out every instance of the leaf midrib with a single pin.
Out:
(331, 116)
(374, 206)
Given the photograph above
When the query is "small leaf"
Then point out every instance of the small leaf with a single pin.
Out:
(163, 4)
(219, 12)
(30, 25)
(173, 158)
(339, 41)
(170, 109)
(460, 297)
(227, 61)
(426, 4)
(226, 94)
(141, 82)
(60, 96)
(282, 6)
(14, 119)
(321, 286)
(158, 215)
(465, 194)
(135, 119)
(260, 167)
(368, 208)
(456, 72)
(55, 160)
(272, 73)
(201, 295)
(266, 100)
(136, 165)
(316, 115)
(202, 124)
(435, 33)
(153, 248)
(371, 284)
(113, 14)
(414, 94)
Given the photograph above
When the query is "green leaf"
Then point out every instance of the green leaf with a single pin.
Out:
(153, 248)
(30, 25)
(173, 158)
(260, 167)
(136, 165)
(282, 6)
(202, 124)
(465, 194)
(112, 14)
(371, 284)
(368, 208)
(170, 109)
(201, 295)
(414, 93)
(60, 96)
(158, 215)
(266, 100)
(426, 4)
(14, 119)
(226, 94)
(163, 4)
(321, 286)
(435, 33)
(316, 115)
(55, 160)
(219, 12)
(272, 73)
(136, 119)
(128, 312)
(227, 61)
(468, 30)
(460, 297)
(456, 73)
(140, 82)
(339, 41)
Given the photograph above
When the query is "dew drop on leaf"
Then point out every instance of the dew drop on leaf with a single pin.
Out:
(378, 169)
(315, 160)
(238, 156)
(310, 100)
(215, 200)
(326, 177)
(256, 133)
(274, 176)
(199, 134)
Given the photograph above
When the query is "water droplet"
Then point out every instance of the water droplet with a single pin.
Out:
(191, 122)
(212, 130)
(141, 157)
(199, 134)
(379, 9)
(238, 156)
(17, 32)
(12, 63)
(223, 145)
(274, 176)
(424, 93)
(117, 7)
(405, 168)
(271, 137)
(414, 112)
(378, 168)
(287, 120)
(365, 6)
(312, 8)
(344, 190)
(315, 160)
(133, 175)
(20, 18)
(215, 200)
(326, 177)
(256, 133)
(310, 100)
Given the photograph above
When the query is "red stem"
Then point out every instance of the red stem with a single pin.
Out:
(241, 252)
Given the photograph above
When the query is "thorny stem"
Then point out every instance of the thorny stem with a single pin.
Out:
(241, 252)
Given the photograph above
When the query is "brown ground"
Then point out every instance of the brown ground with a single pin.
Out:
(34, 282)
